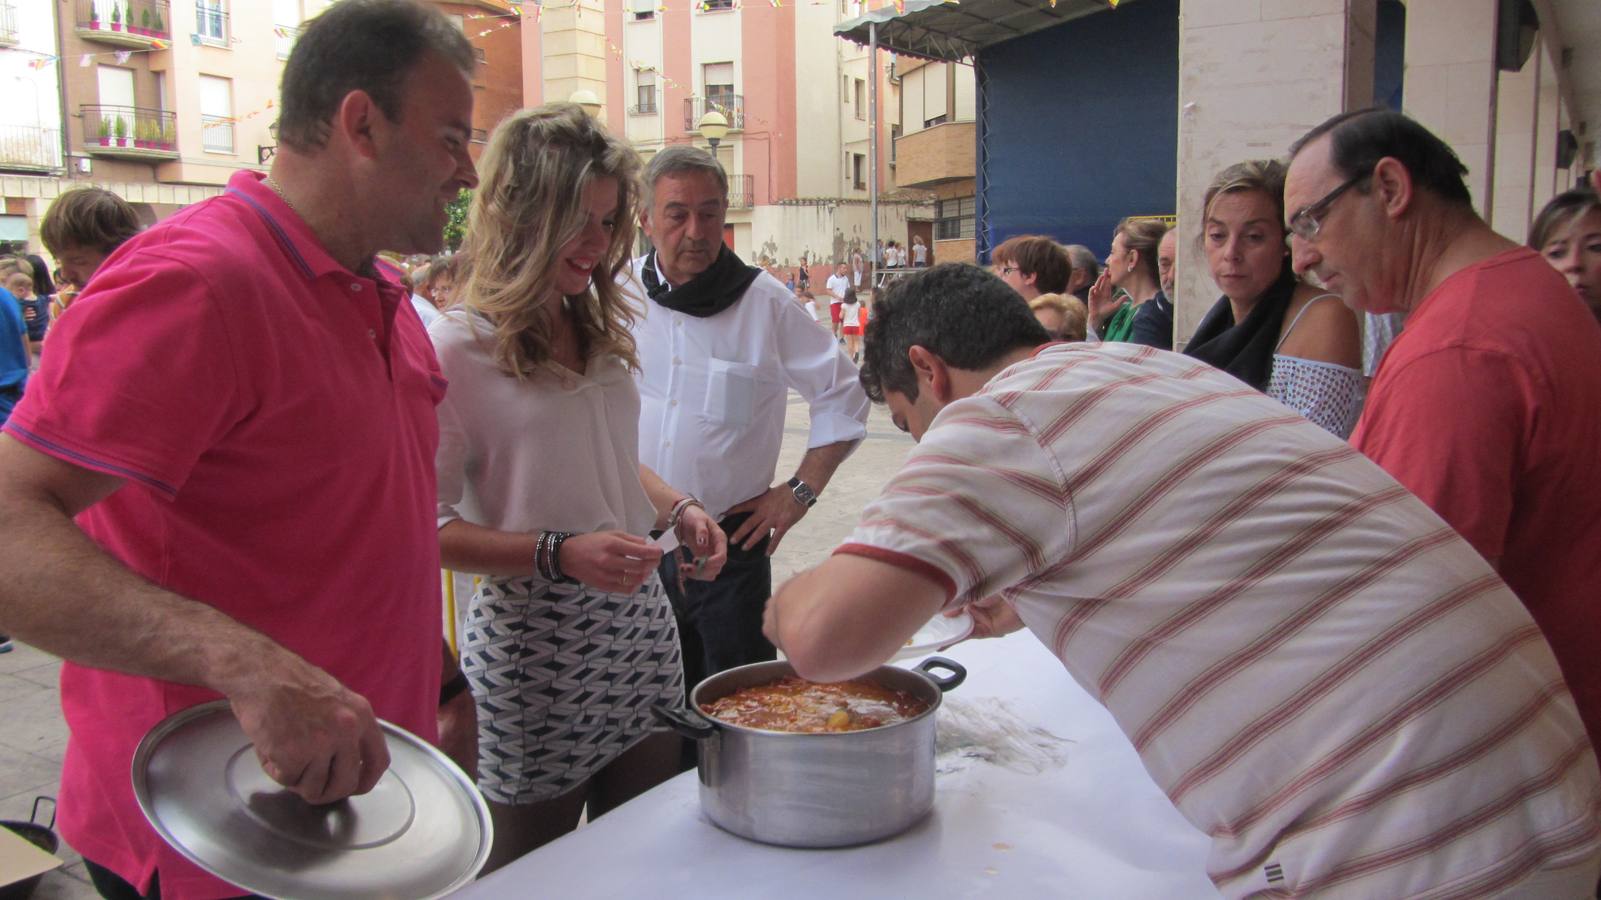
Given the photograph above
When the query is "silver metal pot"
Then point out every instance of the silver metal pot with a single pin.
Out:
(815, 790)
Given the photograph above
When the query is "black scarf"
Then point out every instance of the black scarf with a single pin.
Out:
(707, 294)
(1245, 350)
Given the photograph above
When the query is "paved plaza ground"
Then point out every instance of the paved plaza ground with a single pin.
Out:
(32, 735)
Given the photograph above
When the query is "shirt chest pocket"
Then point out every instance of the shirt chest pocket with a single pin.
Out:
(730, 392)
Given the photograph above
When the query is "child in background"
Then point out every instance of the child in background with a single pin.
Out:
(854, 317)
(35, 310)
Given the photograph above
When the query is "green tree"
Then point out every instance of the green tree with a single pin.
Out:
(456, 225)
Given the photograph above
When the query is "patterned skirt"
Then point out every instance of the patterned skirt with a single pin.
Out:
(564, 676)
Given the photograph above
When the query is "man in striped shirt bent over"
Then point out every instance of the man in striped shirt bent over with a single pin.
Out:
(1314, 667)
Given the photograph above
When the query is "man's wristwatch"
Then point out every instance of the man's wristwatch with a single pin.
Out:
(804, 495)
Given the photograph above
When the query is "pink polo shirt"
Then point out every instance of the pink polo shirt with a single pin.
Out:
(272, 415)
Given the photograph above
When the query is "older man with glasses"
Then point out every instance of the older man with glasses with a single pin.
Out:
(1488, 405)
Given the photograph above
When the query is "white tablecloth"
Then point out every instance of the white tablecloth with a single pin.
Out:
(1037, 794)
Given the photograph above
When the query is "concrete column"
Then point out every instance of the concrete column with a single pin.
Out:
(1451, 83)
(1254, 76)
(573, 41)
(1545, 129)
(1517, 110)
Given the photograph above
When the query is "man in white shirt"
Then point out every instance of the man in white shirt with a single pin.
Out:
(838, 283)
(721, 344)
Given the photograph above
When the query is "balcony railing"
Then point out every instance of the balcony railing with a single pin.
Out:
(741, 191)
(211, 22)
(284, 37)
(216, 134)
(126, 23)
(642, 109)
(732, 106)
(132, 132)
(31, 147)
(8, 24)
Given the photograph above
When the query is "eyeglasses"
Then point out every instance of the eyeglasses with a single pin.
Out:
(1004, 271)
(1309, 221)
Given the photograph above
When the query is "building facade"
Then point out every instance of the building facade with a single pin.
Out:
(795, 99)
(161, 102)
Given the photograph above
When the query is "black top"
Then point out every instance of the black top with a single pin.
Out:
(1153, 323)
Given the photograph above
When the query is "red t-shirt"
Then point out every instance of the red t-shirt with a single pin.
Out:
(272, 415)
(1488, 407)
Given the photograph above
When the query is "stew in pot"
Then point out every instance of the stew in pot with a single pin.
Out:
(796, 705)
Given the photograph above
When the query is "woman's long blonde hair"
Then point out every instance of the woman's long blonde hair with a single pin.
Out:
(529, 203)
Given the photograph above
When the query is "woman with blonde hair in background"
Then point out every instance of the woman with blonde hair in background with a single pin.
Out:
(1297, 343)
(1130, 268)
(569, 639)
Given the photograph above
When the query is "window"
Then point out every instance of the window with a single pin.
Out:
(643, 9)
(211, 21)
(859, 171)
(937, 120)
(719, 81)
(645, 91)
(216, 114)
(894, 142)
(861, 99)
(285, 25)
(954, 219)
(714, 5)
(116, 86)
(845, 91)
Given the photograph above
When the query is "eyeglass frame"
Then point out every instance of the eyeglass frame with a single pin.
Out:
(1006, 269)
(1306, 223)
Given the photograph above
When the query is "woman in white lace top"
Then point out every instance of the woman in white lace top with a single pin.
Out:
(1298, 344)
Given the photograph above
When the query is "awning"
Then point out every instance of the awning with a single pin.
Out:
(949, 31)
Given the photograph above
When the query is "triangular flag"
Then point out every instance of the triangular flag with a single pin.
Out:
(122, 55)
(84, 62)
(900, 7)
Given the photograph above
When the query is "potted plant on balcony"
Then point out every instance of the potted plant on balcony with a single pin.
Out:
(160, 27)
(94, 18)
(116, 17)
(127, 16)
(169, 136)
(105, 132)
(121, 129)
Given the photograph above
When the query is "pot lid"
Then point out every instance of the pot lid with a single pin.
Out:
(422, 831)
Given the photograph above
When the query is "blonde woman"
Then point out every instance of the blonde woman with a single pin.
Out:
(569, 639)
(1298, 344)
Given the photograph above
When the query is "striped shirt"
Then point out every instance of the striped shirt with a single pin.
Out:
(1319, 673)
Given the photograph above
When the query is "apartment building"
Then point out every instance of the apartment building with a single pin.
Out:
(794, 99)
(162, 101)
(936, 150)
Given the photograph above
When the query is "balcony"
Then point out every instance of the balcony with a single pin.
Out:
(129, 132)
(641, 109)
(8, 25)
(29, 148)
(935, 155)
(216, 134)
(741, 191)
(284, 37)
(732, 106)
(125, 23)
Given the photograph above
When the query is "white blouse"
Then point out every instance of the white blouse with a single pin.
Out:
(1329, 394)
(557, 450)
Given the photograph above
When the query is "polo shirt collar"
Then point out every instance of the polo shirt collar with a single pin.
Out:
(296, 238)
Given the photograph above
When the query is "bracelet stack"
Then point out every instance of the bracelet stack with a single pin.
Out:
(547, 555)
(677, 512)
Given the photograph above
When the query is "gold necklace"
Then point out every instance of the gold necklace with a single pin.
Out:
(278, 189)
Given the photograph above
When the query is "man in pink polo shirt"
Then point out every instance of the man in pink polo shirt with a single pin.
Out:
(1488, 405)
(240, 417)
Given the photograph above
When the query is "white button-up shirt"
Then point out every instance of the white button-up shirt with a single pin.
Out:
(714, 391)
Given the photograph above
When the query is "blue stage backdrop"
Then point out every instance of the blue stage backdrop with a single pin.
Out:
(1079, 127)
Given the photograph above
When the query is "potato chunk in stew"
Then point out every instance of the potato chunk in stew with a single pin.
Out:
(796, 705)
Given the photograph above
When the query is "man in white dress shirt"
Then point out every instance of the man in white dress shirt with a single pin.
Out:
(721, 344)
(838, 284)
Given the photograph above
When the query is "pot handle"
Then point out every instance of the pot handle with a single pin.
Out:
(34, 817)
(957, 670)
(690, 724)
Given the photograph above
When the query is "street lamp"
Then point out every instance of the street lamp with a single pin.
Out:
(713, 125)
(586, 98)
(265, 152)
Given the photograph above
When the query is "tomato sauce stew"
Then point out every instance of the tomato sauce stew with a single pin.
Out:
(796, 705)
